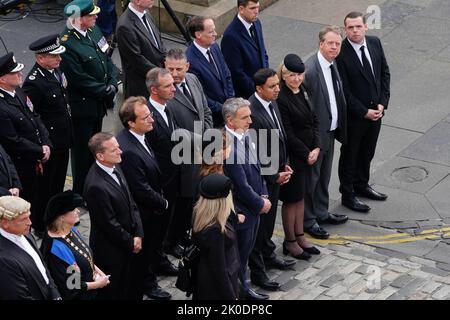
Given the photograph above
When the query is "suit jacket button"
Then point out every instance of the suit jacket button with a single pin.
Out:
(54, 96)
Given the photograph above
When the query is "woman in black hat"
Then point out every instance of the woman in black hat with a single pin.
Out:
(216, 274)
(67, 255)
(300, 123)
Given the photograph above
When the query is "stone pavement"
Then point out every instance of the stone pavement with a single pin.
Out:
(352, 271)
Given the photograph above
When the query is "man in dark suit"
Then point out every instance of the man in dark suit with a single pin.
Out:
(249, 193)
(23, 273)
(116, 227)
(9, 179)
(162, 90)
(92, 81)
(243, 47)
(144, 178)
(190, 110)
(46, 86)
(366, 78)
(22, 133)
(325, 86)
(276, 171)
(140, 46)
(208, 64)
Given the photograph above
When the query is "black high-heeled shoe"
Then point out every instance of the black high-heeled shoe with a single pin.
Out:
(310, 250)
(301, 256)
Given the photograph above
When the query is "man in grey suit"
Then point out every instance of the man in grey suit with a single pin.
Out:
(325, 86)
(140, 46)
(190, 111)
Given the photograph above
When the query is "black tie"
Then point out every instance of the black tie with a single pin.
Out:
(247, 149)
(253, 33)
(337, 87)
(122, 185)
(366, 63)
(148, 147)
(211, 60)
(275, 120)
(169, 119)
(144, 19)
(186, 93)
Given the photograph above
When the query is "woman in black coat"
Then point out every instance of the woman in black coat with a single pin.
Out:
(300, 123)
(217, 270)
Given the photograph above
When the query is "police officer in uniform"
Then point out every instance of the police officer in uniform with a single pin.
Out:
(92, 81)
(46, 85)
(22, 133)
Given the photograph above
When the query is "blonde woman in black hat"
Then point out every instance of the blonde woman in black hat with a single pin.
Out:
(217, 271)
(300, 123)
(67, 255)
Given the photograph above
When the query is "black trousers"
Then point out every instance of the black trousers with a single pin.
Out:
(151, 255)
(49, 184)
(357, 154)
(180, 221)
(81, 157)
(246, 239)
(264, 249)
(26, 170)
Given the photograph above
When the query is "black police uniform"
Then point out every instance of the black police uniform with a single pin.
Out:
(22, 134)
(48, 93)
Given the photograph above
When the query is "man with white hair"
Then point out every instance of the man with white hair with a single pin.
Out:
(23, 274)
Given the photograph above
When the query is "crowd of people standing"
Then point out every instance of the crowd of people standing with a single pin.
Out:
(156, 181)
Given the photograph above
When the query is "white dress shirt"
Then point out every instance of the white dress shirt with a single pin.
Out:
(202, 50)
(141, 139)
(161, 110)
(246, 25)
(266, 107)
(326, 71)
(357, 48)
(23, 243)
(109, 171)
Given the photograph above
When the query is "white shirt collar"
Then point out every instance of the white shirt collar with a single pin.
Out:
(141, 138)
(11, 93)
(357, 46)
(10, 236)
(245, 23)
(157, 105)
(202, 50)
(105, 168)
(83, 33)
(263, 102)
(234, 133)
(324, 63)
(179, 85)
(139, 14)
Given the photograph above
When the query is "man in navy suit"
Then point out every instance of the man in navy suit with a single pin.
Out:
(208, 64)
(250, 192)
(243, 47)
(366, 77)
(144, 178)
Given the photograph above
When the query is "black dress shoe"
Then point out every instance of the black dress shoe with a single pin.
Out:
(311, 250)
(252, 295)
(334, 218)
(167, 270)
(369, 192)
(317, 232)
(175, 251)
(353, 203)
(279, 264)
(266, 284)
(157, 293)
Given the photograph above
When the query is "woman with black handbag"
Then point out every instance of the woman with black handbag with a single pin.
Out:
(216, 273)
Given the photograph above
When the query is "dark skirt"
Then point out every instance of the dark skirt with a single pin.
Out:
(294, 191)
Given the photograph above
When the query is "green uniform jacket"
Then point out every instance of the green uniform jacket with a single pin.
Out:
(88, 71)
